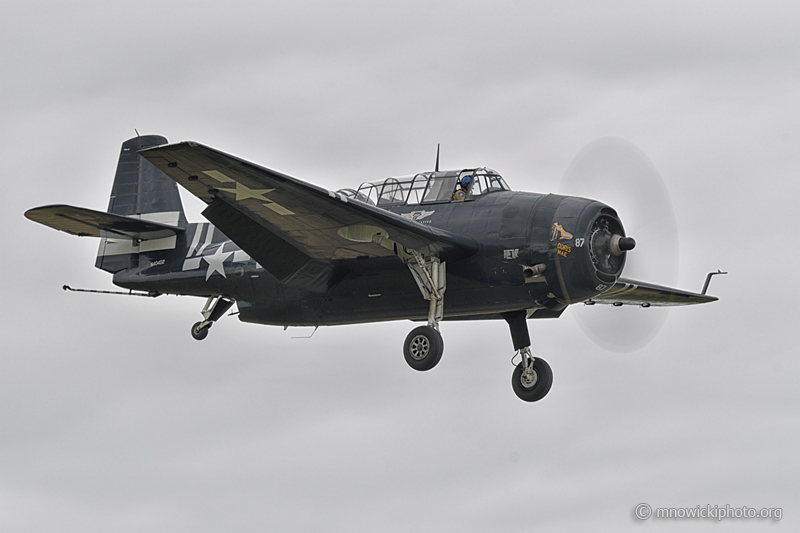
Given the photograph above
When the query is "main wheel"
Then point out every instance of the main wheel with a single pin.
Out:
(200, 333)
(534, 383)
(423, 348)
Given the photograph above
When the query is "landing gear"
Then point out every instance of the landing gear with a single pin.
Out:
(199, 331)
(215, 307)
(532, 378)
(424, 346)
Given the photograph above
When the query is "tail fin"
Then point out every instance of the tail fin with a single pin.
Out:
(140, 188)
(140, 191)
(145, 214)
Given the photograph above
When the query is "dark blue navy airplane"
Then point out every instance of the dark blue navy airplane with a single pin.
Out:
(289, 253)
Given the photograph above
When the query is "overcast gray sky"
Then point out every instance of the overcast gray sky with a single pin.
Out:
(112, 418)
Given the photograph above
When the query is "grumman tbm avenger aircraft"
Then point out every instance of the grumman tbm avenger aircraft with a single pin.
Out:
(441, 245)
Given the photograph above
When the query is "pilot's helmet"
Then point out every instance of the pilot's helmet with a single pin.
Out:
(465, 181)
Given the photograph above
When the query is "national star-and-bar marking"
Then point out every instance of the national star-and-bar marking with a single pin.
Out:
(243, 192)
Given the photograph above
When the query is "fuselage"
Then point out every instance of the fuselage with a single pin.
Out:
(515, 231)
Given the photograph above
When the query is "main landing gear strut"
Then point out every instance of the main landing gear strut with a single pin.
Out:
(215, 307)
(532, 378)
(424, 346)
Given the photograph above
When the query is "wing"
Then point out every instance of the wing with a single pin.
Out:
(631, 292)
(295, 230)
(89, 223)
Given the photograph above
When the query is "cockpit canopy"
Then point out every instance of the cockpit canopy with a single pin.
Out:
(430, 188)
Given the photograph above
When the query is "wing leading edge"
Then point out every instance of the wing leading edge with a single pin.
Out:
(631, 292)
(295, 230)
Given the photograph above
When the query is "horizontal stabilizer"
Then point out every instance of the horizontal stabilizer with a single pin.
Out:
(89, 223)
(631, 292)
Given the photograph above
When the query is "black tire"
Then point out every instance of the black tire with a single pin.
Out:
(423, 348)
(536, 390)
(200, 333)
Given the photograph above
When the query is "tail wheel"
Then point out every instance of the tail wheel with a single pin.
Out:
(199, 331)
(423, 348)
(531, 384)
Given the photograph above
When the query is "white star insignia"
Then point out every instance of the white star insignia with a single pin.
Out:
(215, 261)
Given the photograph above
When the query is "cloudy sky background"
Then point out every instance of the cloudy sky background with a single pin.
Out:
(113, 418)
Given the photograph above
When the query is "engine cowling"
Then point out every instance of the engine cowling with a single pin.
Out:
(588, 247)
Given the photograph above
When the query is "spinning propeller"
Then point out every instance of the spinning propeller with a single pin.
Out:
(616, 172)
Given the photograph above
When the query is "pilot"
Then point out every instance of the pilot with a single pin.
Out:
(461, 193)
